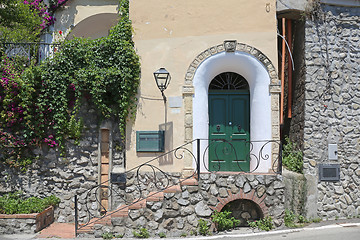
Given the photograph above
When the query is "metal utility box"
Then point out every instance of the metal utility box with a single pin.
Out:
(118, 178)
(333, 151)
(150, 141)
(329, 172)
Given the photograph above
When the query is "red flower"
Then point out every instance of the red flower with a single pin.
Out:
(60, 32)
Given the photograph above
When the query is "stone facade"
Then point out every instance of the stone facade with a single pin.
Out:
(332, 110)
(26, 223)
(17, 225)
(176, 210)
(65, 176)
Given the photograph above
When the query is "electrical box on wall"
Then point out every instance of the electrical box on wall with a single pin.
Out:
(333, 152)
(118, 178)
(150, 141)
(329, 172)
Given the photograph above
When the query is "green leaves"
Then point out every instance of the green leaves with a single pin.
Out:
(105, 71)
(15, 203)
(292, 157)
(223, 221)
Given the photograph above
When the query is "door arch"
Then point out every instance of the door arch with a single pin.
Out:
(264, 97)
(229, 123)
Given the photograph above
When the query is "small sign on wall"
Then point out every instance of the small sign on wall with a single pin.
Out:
(150, 141)
(329, 172)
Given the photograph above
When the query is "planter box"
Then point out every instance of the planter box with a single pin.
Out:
(26, 223)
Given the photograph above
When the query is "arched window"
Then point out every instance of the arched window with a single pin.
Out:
(229, 81)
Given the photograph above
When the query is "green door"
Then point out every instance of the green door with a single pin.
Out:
(229, 131)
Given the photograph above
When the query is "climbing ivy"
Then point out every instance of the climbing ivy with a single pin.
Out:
(40, 104)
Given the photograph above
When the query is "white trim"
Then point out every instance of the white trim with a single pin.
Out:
(260, 101)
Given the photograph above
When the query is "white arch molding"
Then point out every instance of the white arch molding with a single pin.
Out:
(264, 96)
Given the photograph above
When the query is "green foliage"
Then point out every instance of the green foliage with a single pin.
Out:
(193, 233)
(119, 235)
(162, 235)
(19, 22)
(316, 220)
(265, 224)
(223, 221)
(289, 218)
(75, 128)
(203, 227)
(291, 157)
(13, 203)
(107, 235)
(40, 104)
(141, 233)
(292, 220)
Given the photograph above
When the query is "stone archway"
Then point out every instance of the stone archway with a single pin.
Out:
(252, 198)
(244, 210)
(255, 67)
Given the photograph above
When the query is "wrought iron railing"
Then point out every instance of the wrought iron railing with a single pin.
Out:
(31, 51)
(148, 178)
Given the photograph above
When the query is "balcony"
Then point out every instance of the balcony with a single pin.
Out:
(31, 52)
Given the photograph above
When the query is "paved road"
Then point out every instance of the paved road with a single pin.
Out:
(334, 231)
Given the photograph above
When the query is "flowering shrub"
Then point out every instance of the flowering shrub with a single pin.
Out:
(39, 104)
(44, 11)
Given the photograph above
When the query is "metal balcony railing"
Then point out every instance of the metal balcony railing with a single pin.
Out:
(30, 51)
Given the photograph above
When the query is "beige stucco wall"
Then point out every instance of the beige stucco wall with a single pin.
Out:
(76, 11)
(171, 34)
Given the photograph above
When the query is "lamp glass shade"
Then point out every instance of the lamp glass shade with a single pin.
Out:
(162, 78)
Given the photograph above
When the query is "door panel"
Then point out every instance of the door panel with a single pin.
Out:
(229, 131)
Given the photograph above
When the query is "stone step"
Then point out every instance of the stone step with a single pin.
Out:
(138, 204)
(173, 189)
(155, 197)
(189, 182)
(122, 211)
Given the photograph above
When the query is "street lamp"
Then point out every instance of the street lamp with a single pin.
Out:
(162, 79)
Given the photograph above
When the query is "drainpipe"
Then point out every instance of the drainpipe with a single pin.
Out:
(282, 73)
(289, 38)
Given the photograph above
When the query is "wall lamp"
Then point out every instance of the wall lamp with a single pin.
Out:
(162, 79)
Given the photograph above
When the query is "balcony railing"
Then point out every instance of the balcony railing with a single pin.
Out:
(31, 52)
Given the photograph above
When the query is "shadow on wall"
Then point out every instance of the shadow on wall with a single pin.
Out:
(94, 27)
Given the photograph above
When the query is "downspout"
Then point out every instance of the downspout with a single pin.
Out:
(282, 73)
(289, 38)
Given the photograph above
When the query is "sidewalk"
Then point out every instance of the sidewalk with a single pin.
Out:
(52, 232)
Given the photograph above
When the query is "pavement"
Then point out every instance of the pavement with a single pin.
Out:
(51, 232)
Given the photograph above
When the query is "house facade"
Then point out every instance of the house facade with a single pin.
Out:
(211, 140)
(324, 110)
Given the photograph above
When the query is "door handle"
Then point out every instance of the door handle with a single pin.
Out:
(239, 128)
(218, 128)
(230, 123)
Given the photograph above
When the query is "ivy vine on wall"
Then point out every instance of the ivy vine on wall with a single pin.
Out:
(39, 104)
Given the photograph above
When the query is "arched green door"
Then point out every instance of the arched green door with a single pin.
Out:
(229, 128)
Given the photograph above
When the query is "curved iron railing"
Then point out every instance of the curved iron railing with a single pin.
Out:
(31, 51)
(148, 179)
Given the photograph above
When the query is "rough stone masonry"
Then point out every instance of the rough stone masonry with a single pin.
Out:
(332, 109)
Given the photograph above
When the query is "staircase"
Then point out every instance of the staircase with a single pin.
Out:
(123, 210)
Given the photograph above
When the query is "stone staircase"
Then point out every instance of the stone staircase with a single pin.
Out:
(123, 210)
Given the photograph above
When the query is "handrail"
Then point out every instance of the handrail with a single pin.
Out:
(160, 180)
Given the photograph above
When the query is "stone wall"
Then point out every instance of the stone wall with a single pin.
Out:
(17, 225)
(295, 191)
(65, 176)
(177, 213)
(332, 110)
(294, 126)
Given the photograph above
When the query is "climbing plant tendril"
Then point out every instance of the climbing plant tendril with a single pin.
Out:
(39, 104)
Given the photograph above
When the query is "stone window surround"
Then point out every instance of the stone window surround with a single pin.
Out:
(189, 91)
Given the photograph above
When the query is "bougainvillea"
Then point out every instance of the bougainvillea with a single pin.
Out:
(39, 104)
